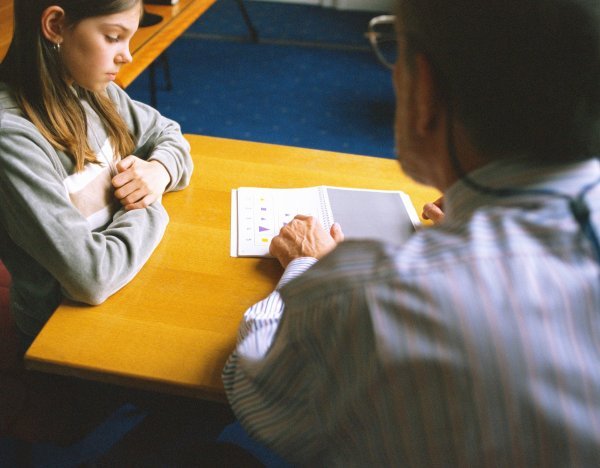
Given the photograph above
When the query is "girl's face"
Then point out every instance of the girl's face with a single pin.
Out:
(94, 49)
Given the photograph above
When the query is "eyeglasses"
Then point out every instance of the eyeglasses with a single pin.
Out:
(382, 36)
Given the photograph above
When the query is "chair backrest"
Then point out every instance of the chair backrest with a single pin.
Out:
(4, 276)
(9, 345)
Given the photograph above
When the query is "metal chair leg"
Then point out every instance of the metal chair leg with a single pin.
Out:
(164, 62)
(164, 59)
(251, 29)
(152, 70)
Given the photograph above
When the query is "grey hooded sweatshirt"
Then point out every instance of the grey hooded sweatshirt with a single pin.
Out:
(51, 245)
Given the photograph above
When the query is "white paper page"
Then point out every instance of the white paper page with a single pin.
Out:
(233, 232)
(262, 212)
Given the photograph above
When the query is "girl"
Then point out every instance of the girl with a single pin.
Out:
(82, 166)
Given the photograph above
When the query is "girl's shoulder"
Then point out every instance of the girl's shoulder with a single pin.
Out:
(8, 104)
(18, 135)
(12, 118)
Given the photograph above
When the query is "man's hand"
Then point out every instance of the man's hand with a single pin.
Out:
(434, 211)
(304, 237)
(139, 183)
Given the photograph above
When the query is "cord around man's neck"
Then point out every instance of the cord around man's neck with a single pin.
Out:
(577, 205)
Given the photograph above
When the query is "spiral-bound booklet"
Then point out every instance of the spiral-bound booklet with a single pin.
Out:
(258, 214)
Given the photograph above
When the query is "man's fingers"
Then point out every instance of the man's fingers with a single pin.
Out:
(432, 212)
(337, 233)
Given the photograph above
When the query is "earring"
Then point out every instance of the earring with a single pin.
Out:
(56, 47)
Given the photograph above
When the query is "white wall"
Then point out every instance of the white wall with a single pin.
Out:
(364, 5)
(306, 2)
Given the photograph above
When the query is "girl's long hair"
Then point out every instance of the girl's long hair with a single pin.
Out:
(33, 69)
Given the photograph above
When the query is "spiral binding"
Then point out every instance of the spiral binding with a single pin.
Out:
(325, 208)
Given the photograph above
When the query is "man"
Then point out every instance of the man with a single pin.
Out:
(477, 342)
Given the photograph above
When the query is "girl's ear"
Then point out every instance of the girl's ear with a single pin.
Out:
(53, 24)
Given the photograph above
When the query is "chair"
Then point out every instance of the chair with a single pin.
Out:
(9, 349)
(41, 421)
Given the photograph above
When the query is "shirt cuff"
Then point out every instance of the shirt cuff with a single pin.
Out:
(294, 269)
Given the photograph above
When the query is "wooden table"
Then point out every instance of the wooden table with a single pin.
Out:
(6, 25)
(172, 328)
(147, 44)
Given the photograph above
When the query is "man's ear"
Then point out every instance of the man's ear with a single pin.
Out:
(426, 96)
(53, 24)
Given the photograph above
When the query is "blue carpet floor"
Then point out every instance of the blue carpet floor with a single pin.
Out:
(84, 451)
(311, 81)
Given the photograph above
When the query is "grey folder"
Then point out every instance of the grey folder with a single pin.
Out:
(372, 215)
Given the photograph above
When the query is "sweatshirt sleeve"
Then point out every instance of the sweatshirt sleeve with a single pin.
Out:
(39, 218)
(158, 138)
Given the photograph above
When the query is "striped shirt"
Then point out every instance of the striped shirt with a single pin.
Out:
(476, 343)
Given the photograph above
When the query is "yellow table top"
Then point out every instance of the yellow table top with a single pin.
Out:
(6, 26)
(172, 328)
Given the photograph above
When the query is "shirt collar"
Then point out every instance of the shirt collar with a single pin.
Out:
(460, 200)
